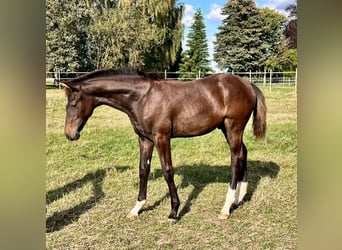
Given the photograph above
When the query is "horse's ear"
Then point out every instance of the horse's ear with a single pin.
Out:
(64, 85)
(68, 87)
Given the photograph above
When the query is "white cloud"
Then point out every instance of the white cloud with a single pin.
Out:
(188, 15)
(215, 13)
(278, 5)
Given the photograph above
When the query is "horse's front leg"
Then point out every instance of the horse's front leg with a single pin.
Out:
(146, 149)
(164, 151)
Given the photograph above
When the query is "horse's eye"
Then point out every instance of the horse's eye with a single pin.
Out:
(72, 104)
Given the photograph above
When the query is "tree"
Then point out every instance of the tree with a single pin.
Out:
(249, 38)
(290, 31)
(120, 37)
(196, 57)
(286, 57)
(66, 35)
(238, 43)
(167, 16)
(83, 35)
(273, 40)
(144, 34)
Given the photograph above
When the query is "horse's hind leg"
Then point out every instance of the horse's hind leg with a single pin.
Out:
(242, 179)
(233, 131)
(146, 149)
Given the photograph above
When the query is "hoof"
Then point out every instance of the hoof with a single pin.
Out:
(171, 221)
(132, 216)
(235, 206)
(223, 216)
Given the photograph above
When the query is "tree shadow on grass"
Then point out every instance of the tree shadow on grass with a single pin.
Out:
(60, 219)
(201, 175)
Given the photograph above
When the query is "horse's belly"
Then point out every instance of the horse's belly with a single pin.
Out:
(195, 126)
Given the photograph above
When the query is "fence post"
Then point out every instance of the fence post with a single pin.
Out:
(59, 78)
(296, 81)
(270, 80)
(250, 76)
(165, 75)
(264, 77)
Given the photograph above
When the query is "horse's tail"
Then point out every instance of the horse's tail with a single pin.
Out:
(259, 114)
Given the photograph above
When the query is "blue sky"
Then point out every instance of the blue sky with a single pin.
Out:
(213, 18)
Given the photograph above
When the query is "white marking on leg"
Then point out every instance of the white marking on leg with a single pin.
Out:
(230, 197)
(238, 188)
(137, 207)
(148, 162)
(242, 191)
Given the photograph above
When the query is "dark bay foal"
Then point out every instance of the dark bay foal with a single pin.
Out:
(160, 110)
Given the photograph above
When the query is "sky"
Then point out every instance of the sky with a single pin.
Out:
(211, 11)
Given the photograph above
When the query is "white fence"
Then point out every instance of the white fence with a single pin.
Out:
(267, 78)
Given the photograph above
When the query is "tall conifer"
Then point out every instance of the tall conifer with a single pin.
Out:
(237, 45)
(195, 58)
(249, 38)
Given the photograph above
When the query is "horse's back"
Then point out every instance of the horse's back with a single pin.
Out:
(197, 107)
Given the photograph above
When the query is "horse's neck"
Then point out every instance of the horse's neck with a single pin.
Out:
(120, 94)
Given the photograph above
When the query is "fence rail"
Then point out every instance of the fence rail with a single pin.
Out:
(267, 78)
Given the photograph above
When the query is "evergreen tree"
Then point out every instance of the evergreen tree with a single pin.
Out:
(249, 38)
(196, 57)
(238, 43)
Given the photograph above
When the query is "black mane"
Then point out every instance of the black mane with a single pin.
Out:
(108, 72)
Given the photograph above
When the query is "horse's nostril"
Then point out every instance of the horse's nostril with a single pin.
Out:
(77, 136)
(73, 138)
(67, 136)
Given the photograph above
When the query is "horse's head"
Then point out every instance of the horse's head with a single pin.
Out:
(78, 109)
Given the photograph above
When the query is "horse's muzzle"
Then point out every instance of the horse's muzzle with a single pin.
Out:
(73, 137)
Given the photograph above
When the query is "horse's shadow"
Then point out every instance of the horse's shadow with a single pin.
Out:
(199, 176)
(60, 219)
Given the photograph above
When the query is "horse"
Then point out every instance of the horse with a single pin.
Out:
(161, 109)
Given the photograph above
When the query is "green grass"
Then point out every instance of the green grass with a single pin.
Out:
(92, 184)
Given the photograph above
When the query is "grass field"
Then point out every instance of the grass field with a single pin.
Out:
(92, 184)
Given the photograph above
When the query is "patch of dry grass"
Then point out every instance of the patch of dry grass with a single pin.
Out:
(93, 183)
